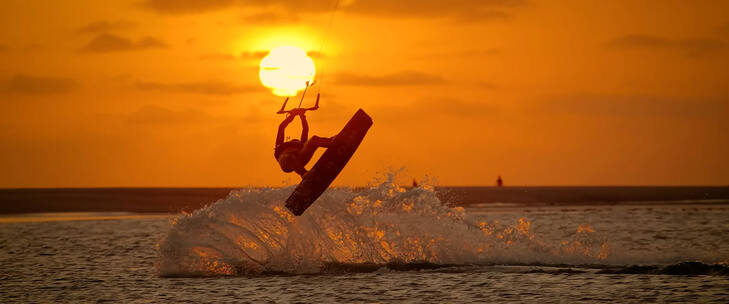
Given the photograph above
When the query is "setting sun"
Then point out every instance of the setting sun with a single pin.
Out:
(286, 70)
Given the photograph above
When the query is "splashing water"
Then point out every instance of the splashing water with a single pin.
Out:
(252, 232)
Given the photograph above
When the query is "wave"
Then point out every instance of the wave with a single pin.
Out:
(683, 268)
(381, 227)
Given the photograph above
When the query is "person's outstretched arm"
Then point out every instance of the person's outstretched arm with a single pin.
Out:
(304, 128)
(282, 128)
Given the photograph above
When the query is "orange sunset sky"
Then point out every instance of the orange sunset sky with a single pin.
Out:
(166, 93)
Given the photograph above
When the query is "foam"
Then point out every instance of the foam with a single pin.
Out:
(250, 232)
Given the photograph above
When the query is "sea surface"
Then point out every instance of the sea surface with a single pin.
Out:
(379, 244)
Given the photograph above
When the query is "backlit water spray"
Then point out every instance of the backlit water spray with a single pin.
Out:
(251, 232)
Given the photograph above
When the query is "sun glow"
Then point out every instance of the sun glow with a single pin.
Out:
(286, 70)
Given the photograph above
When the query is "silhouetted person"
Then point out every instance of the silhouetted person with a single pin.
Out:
(293, 155)
(499, 182)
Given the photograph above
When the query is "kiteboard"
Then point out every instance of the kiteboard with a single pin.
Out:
(326, 169)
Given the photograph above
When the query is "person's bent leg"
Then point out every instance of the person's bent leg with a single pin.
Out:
(307, 152)
(322, 141)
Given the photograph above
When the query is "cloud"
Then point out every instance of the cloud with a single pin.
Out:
(208, 88)
(152, 114)
(174, 7)
(105, 43)
(475, 53)
(181, 7)
(38, 85)
(269, 18)
(104, 26)
(689, 47)
(253, 55)
(380, 8)
(482, 16)
(458, 10)
(316, 54)
(157, 115)
(637, 106)
(260, 54)
(404, 78)
(469, 54)
(456, 107)
(33, 47)
(217, 56)
(435, 108)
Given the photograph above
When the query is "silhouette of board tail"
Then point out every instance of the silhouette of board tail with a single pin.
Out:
(326, 169)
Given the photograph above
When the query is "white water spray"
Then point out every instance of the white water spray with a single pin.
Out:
(251, 231)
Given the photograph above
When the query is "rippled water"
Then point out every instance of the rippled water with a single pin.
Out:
(381, 245)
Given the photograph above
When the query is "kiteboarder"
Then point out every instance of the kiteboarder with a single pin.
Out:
(294, 154)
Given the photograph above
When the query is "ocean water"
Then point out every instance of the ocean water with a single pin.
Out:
(374, 245)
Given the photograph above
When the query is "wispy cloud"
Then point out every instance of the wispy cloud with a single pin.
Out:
(469, 54)
(155, 115)
(187, 6)
(152, 114)
(105, 43)
(458, 9)
(456, 107)
(689, 47)
(208, 88)
(316, 54)
(253, 54)
(38, 85)
(637, 106)
(217, 56)
(482, 16)
(104, 26)
(437, 108)
(404, 78)
(270, 17)
(32, 47)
